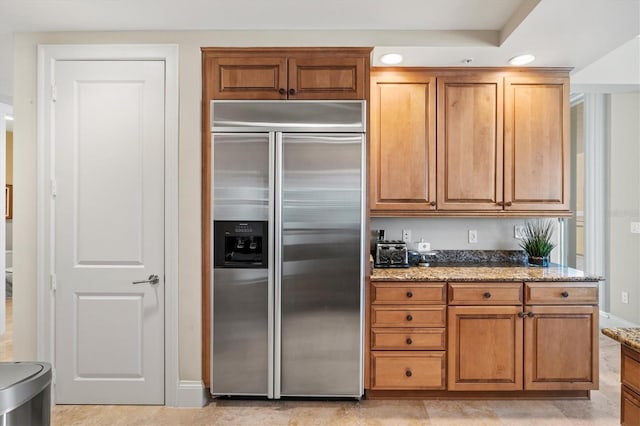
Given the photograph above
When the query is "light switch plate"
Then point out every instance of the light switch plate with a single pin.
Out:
(473, 236)
(635, 227)
(518, 232)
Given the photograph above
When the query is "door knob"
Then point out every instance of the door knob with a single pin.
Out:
(153, 279)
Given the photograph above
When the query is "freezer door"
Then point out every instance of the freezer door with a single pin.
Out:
(240, 176)
(320, 215)
(242, 298)
(240, 361)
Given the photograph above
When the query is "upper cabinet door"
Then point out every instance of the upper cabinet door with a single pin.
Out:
(249, 77)
(536, 154)
(327, 77)
(403, 141)
(470, 142)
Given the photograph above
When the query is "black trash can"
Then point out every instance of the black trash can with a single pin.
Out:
(25, 393)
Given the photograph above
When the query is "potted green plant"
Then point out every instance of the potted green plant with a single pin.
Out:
(536, 241)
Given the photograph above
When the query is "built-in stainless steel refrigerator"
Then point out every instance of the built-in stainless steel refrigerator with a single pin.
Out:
(287, 248)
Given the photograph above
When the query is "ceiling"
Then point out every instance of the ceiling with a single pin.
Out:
(567, 33)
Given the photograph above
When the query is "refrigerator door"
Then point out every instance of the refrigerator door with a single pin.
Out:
(242, 298)
(318, 317)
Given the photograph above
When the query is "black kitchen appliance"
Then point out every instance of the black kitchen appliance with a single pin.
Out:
(391, 254)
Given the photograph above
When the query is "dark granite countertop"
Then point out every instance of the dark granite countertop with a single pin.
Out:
(627, 336)
(487, 272)
(481, 265)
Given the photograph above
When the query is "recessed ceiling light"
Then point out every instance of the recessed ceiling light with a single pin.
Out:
(391, 58)
(522, 59)
(8, 117)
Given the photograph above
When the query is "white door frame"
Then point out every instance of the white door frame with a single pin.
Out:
(47, 57)
(4, 110)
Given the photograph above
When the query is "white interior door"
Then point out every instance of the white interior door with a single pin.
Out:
(109, 231)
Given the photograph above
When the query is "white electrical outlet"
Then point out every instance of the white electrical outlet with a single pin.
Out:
(518, 232)
(625, 297)
(635, 227)
(473, 236)
(406, 235)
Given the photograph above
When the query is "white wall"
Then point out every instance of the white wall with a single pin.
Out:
(624, 205)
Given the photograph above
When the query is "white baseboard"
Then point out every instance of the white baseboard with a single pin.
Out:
(191, 394)
(608, 320)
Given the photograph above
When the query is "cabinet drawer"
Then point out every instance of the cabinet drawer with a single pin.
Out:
(485, 293)
(408, 370)
(395, 293)
(630, 407)
(409, 316)
(561, 293)
(630, 369)
(407, 338)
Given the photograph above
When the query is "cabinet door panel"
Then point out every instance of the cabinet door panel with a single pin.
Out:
(561, 348)
(326, 78)
(402, 135)
(536, 158)
(470, 142)
(485, 348)
(249, 77)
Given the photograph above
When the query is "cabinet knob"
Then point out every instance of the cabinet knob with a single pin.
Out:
(432, 204)
(565, 294)
(408, 373)
(508, 204)
(531, 315)
(292, 91)
(409, 317)
(487, 295)
(521, 315)
(409, 341)
(282, 91)
(409, 294)
(500, 203)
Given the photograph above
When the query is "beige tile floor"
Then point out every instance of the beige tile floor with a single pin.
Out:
(603, 408)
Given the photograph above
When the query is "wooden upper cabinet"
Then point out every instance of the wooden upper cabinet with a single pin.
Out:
(536, 137)
(470, 142)
(249, 77)
(327, 78)
(268, 73)
(403, 141)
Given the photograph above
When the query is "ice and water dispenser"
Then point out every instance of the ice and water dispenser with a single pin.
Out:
(240, 244)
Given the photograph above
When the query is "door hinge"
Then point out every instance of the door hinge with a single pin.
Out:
(53, 283)
(54, 93)
(53, 188)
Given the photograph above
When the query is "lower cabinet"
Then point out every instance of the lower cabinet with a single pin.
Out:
(552, 346)
(630, 388)
(408, 336)
(408, 370)
(488, 337)
(561, 348)
(485, 348)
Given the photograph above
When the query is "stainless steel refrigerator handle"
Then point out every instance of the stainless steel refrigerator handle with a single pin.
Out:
(153, 279)
(270, 266)
(277, 341)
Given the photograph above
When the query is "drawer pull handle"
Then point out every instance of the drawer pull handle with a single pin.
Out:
(408, 373)
(409, 317)
(565, 294)
(487, 295)
(409, 294)
(521, 315)
(409, 341)
(531, 314)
